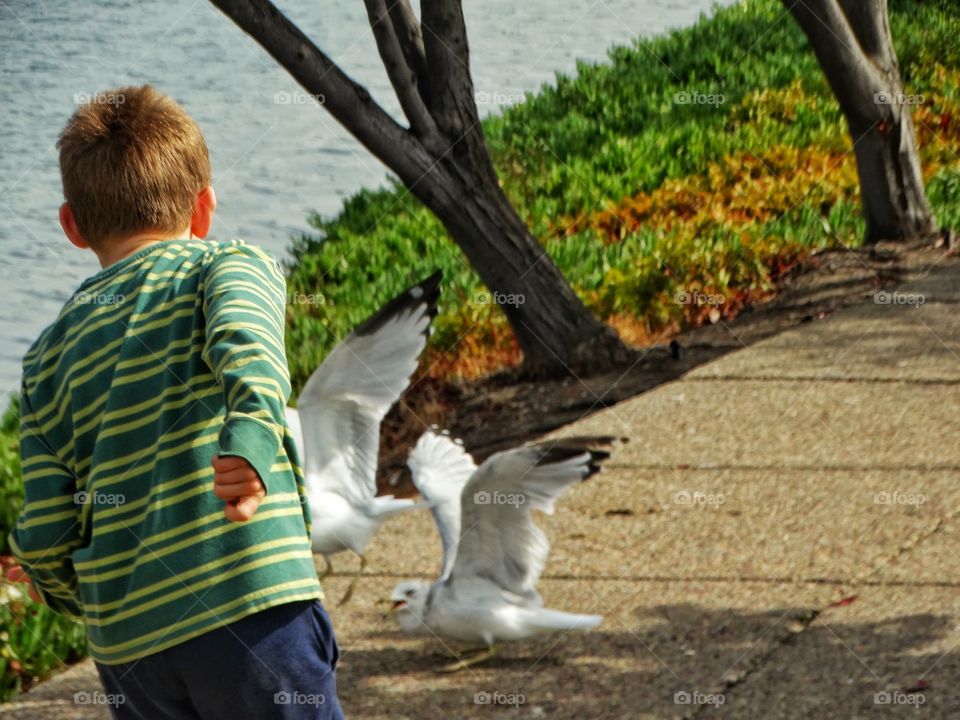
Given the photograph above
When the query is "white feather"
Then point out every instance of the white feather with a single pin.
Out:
(441, 469)
(494, 554)
(337, 421)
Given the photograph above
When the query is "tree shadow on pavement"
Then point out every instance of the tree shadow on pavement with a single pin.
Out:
(675, 661)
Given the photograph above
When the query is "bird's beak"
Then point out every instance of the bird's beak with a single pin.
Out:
(397, 604)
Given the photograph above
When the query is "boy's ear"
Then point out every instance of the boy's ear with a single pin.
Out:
(70, 229)
(203, 210)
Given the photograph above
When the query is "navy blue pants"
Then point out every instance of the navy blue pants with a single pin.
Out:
(277, 663)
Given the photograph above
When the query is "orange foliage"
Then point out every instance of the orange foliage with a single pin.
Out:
(478, 353)
(746, 188)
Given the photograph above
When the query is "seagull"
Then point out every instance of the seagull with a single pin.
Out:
(493, 553)
(337, 422)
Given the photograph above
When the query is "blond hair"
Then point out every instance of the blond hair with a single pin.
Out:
(131, 160)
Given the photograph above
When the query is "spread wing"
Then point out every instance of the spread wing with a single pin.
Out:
(441, 469)
(499, 540)
(346, 398)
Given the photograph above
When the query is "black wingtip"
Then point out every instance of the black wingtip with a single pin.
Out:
(582, 442)
(570, 448)
(597, 457)
(425, 292)
(431, 291)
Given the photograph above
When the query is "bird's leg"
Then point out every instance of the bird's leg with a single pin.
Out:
(328, 568)
(353, 583)
(478, 656)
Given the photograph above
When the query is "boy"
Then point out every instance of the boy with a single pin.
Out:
(164, 497)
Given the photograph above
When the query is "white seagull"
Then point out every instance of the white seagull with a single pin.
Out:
(493, 553)
(337, 422)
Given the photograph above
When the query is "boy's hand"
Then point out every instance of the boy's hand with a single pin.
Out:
(237, 483)
(15, 573)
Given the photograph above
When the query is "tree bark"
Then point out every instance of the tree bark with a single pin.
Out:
(556, 333)
(853, 45)
(444, 161)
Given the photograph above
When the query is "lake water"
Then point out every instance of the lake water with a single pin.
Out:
(273, 162)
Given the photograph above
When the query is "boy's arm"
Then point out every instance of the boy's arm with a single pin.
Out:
(244, 305)
(48, 528)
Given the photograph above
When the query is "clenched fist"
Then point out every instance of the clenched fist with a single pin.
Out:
(238, 485)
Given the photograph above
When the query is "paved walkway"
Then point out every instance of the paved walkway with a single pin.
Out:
(778, 540)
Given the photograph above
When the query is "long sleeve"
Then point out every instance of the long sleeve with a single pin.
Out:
(244, 303)
(48, 528)
(126, 403)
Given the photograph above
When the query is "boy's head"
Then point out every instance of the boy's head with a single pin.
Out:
(133, 163)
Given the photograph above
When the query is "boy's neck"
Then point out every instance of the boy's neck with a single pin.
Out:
(117, 251)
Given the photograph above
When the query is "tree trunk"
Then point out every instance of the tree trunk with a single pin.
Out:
(853, 45)
(894, 200)
(444, 161)
(556, 333)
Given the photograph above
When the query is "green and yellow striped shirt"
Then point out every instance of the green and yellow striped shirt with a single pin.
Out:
(157, 363)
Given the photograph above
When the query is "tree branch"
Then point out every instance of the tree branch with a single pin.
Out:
(450, 87)
(871, 25)
(851, 74)
(402, 77)
(348, 102)
(407, 27)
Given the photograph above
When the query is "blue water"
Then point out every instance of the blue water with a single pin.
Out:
(274, 163)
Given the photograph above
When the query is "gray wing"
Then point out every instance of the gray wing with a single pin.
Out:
(441, 469)
(346, 398)
(499, 540)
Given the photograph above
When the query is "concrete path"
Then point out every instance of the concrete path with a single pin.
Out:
(779, 539)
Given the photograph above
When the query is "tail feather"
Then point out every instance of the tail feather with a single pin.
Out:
(387, 505)
(558, 620)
